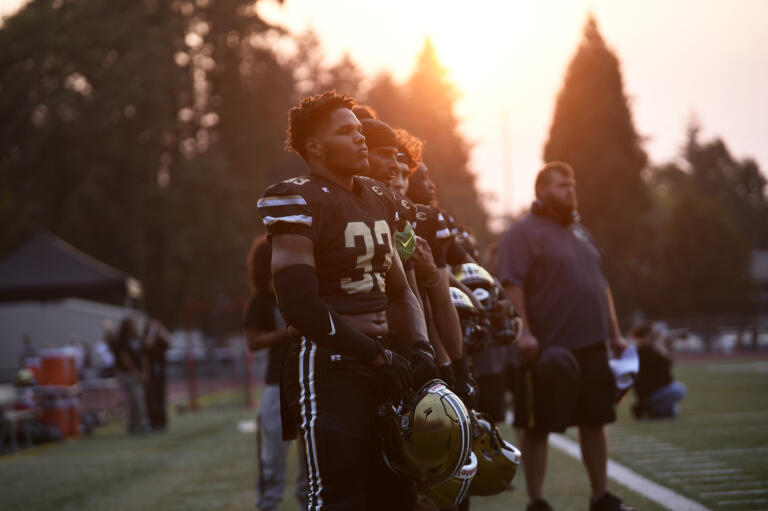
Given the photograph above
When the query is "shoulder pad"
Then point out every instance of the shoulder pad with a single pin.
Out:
(286, 207)
(376, 187)
(403, 202)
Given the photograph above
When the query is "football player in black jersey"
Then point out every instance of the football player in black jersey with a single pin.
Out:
(339, 285)
(430, 224)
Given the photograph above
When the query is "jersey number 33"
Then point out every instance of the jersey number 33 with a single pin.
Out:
(380, 236)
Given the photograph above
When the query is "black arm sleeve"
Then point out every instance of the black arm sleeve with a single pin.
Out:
(455, 253)
(299, 300)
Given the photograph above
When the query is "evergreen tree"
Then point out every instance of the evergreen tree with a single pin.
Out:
(737, 185)
(142, 132)
(89, 107)
(240, 118)
(709, 212)
(388, 97)
(592, 129)
(425, 107)
(345, 77)
(701, 264)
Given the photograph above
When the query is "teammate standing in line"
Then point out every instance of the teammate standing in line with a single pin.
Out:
(431, 225)
(339, 285)
(264, 327)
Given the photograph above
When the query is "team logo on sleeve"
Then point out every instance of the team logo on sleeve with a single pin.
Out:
(297, 180)
(580, 234)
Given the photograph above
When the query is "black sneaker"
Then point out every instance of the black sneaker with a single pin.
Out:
(539, 505)
(609, 502)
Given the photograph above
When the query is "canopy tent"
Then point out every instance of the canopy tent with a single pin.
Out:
(46, 267)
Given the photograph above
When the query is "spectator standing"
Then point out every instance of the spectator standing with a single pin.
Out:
(105, 357)
(80, 353)
(156, 343)
(264, 327)
(27, 351)
(132, 374)
(551, 269)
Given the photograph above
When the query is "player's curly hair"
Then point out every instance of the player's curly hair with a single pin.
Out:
(303, 119)
(410, 145)
(365, 112)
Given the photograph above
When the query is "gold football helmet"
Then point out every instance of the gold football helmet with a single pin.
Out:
(476, 337)
(503, 325)
(429, 438)
(454, 490)
(497, 459)
(473, 276)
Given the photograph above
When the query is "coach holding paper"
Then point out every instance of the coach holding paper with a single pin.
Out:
(551, 270)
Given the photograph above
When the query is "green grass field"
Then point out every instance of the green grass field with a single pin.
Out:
(204, 462)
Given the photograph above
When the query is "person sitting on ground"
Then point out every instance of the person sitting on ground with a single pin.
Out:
(658, 394)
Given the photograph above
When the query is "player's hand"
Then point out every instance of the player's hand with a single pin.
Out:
(528, 346)
(468, 392)
(618, 345)
(424, 262)
(464, 383)
(424, 363)
(446, 374)
(397, 375)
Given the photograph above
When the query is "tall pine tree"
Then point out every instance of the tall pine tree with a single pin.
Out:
(424, 105)
(142, 132)
(89, 106)
(592, 129)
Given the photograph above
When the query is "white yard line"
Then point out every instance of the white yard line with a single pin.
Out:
(734, 493)
(714, 471)
(741, 502)
(735, 452)
(674, 463)
(661, 495)
(728, 484)
(704, 479)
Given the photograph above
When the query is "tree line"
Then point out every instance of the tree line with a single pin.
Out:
(678, 236)
(144, 133)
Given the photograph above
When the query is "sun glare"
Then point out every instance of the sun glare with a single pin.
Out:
(470, 38)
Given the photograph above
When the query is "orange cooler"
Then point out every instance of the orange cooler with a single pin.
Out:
(58, 367)
(57, 414)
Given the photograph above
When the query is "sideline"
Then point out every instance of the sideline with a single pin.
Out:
(661, 495)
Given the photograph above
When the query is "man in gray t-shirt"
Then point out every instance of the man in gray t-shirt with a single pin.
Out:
(551, 270)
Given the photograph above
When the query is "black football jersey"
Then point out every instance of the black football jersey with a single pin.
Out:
(455, 252)
(430, 225)
(351, 232)
(405, 210)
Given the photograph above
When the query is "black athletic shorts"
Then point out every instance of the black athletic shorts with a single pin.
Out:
(591, 403)
(331, 400)
(491, 400)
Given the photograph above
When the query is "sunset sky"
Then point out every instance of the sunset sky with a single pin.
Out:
(679, 58)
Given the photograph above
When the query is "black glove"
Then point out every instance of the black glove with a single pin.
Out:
(424, 363)
(446, 374)
(396, 375)
(465, 386)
